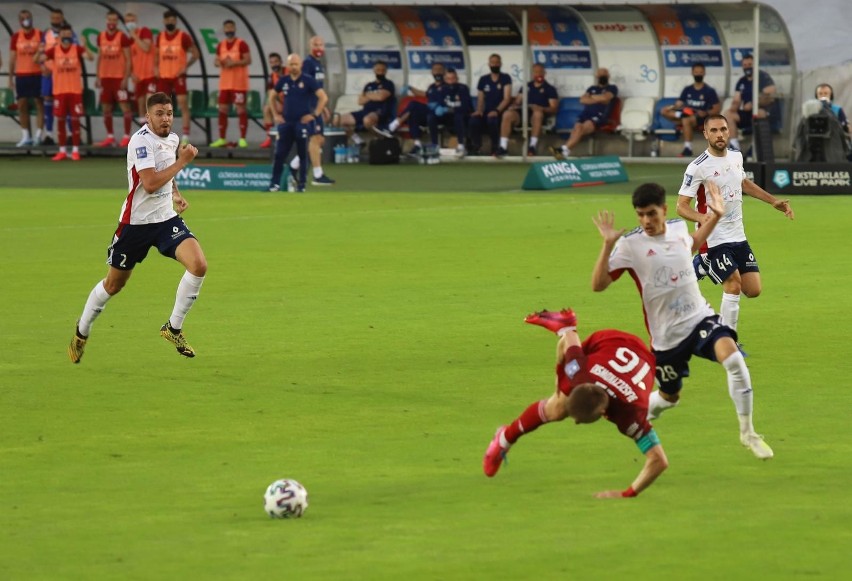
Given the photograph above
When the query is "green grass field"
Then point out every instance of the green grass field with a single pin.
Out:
(367, 340)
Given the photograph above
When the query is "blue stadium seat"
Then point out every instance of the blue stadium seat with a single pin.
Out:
(665, 129)
(566, 116)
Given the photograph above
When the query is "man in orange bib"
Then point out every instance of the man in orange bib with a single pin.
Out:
(25, 75)
(142, 63)
(171, 63)
(234, 58)
(113, 74)
(67, 87)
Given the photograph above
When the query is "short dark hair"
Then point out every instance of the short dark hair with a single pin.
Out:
(57, 11)
(585, 402)
(169, 14)
(381, 63)
(158, 99)
(649, 194)
(699, 65)
(710, 118)
(493, 54)
(747, 55)
(229, 21)
(830, 89)
(66, 26)
(274, 54)
(113, 13)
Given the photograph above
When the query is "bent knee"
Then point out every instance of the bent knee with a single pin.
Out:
(113, 287)
(198, 267)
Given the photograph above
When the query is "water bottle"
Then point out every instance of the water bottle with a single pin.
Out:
(340, 154)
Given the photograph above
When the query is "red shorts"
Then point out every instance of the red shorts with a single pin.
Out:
(236, 97)
(111, 92)
(169, 86)
(68, 104)
(145, 87)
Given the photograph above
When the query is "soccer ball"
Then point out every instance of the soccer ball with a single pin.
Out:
(285, 498)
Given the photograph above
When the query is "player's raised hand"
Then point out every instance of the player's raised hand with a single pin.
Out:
(784, 206)
(714, 200)
(605, 221)
(187, 152)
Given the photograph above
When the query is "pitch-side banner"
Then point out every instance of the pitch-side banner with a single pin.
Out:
(591, 171)
(782, 179)
(224, 177)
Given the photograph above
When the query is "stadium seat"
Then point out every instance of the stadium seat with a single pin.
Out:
(566, 116)
(662, 128)
(636, 120)
(254, 105)
(346, 104)
(614, 119)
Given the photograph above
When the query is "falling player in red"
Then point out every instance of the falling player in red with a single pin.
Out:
(611, 375)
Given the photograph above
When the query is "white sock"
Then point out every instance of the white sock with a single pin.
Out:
(75, 149)
(657, 404)
(317, 172)
(504, 142)
(687, 144)
(61, 149)
(730, 310)
(38, 134)
(564, 330)
(25, 133)
(734, 142)
(565, 151)
(294, 164)
(533, 141)
(393, 125)
(94, 305)
(739, 387)
(110, 136)
(504, 443)
(187, 292)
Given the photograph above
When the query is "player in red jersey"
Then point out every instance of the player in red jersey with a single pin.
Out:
(611, 375)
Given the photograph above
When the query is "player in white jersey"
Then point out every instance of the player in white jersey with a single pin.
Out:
(729, 259)
(150, 217)
(658, 256)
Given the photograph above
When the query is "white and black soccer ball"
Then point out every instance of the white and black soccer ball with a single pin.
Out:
(285, 498)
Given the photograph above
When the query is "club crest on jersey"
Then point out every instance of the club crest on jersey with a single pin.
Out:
(141, 153)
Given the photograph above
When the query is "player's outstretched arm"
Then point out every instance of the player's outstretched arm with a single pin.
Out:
(655, 464)
(605, 221)
(717, 207)
(755, 191)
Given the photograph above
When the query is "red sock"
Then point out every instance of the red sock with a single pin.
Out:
(528, 421)
(243, 115)
(108, 123)
(128, 122)
(75, 130)
(267, 127)
(61, 130)
(223, 124)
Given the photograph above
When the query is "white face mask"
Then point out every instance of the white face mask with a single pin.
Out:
(131, 26)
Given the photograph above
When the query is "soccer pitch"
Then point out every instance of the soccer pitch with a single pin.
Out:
(367, 340)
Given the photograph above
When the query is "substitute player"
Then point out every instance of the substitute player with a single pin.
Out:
(67, 88)
(171, 63)
(658, 256)
(150, 217)
(304, 101)
(25, 75)
(142, 63)
(729, 259)
(114, 68)
(610, 375)
(312, 66)
(234, 58)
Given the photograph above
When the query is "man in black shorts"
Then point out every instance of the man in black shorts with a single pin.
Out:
(150, 217)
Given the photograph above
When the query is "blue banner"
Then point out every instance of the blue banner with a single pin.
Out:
(366, 58)
(686, 57)
(563, 59)
(424, 59)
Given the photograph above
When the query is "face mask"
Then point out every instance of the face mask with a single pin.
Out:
(748, 71)
(276, 68)
(603, 80)
(131, 26)
(539, 78)
(111, 27)
(66, 40)
(230, 34)
(55, 27)
(439, 77)
(26, 22)
(825, 99)
(318, 52)
(495, 70)
(171, 27)
(380, 77)
(698, 78)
